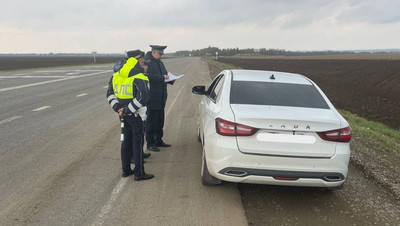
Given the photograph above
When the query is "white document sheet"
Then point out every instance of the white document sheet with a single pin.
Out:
(173, 77)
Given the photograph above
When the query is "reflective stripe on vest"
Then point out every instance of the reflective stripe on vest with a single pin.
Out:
(122, 84)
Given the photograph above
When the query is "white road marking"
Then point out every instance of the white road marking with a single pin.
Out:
(81, 95)
(25, 73)
(45, 76)
(176, 97)
(105, 87)
(65, 71)
(52, 71)
(37, 76)
(100, 66)
(173, 102)
(51, 81)
(41, 108)
(109, 205)
(9, 119)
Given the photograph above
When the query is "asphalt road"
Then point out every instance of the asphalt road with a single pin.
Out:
(60, 163)
(60, 158)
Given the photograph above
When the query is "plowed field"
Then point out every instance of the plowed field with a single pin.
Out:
(368, 88)
(23, 62)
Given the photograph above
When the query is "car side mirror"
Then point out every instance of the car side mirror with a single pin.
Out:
(200, 90)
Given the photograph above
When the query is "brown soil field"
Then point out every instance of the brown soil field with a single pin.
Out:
(24, 62)
(344, 56)
(366, 87)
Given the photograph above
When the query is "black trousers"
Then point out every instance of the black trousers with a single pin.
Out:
(133, 144)
(154, 127)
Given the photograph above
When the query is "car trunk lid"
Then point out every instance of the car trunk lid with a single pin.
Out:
(286, 131)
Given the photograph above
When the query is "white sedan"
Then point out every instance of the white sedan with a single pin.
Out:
(269, 127)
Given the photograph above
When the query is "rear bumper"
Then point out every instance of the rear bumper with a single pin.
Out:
(289, 175)
(227, 163)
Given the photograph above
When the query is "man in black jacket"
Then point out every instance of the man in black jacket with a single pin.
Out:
(157, 74)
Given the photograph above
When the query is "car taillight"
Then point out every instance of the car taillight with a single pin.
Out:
(227, 128)
(338, 135)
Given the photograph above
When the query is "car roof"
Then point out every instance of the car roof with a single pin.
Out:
(265, 76)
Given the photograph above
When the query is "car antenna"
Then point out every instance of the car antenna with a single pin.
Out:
(272, 77)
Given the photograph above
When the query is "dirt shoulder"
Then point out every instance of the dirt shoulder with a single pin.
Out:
(383, 168)
(380, 165)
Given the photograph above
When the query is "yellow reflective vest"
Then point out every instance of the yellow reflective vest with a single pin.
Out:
(122, 83)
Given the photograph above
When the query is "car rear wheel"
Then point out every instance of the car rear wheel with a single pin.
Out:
(340, 187)
(206, 178)
(198, 135)
(331, 189)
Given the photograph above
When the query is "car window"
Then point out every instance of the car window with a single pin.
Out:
(211, 87)
(278, 94)
(217, 90)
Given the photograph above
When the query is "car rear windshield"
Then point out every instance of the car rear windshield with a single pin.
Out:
(277, 94)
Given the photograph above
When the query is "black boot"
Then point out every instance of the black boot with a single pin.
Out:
(162, 144)
(153, 148)
(145, 176)
(127, 174)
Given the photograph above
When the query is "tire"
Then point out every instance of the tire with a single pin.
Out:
(331, 189)
(340, 187)
(198, 135)
(206, 178)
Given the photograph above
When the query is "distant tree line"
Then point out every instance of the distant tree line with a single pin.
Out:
(210, 51)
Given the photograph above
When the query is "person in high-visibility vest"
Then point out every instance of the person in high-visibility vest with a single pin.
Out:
(128, 94)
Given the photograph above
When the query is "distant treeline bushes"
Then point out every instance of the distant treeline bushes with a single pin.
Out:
(210, 51)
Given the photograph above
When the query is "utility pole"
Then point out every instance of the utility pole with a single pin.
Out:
(94, 56)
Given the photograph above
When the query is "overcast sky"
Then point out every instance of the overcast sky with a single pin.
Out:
(113, 26)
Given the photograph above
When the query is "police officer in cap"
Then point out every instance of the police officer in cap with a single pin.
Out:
(128, 93)
(157, 75)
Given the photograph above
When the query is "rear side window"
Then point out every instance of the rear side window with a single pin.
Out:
(277, 94)
(216, 91)
(213, 84)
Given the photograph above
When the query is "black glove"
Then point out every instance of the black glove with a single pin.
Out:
(126, 111)
(117, 106)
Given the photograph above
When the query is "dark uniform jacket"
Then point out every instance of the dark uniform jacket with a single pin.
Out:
(158, 88)
(140, 90)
